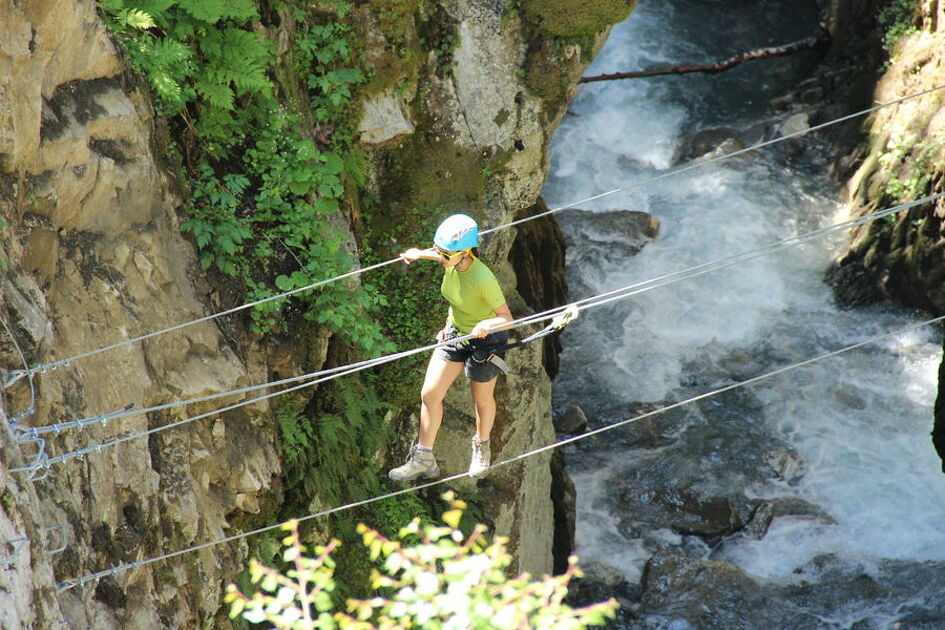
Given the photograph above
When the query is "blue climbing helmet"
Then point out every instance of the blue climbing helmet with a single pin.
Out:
(457, 232)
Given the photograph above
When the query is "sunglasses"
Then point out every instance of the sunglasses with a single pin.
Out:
(447, 254)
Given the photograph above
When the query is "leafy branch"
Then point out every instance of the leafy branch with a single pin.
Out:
(446, 580)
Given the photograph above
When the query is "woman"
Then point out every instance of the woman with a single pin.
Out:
(477, 307)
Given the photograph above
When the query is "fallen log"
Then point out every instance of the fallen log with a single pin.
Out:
(811, 43)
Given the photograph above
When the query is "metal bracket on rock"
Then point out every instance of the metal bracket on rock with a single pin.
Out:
(37, 461)
(10, 378)
(18, 544)
(63, 535)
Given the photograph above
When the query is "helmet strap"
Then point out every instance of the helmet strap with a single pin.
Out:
(467, 253)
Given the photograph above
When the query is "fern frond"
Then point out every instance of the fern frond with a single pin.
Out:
(136, 18)
(167, 89)
(173, 55)
(217, 94)
(241, 10)
(209, 11)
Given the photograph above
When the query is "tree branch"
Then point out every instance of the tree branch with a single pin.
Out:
(811, 43)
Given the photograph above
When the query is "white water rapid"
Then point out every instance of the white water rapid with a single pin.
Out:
(858, 424)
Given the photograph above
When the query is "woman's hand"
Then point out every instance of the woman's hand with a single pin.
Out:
(482, 329)
(503, 316)
(412, 254)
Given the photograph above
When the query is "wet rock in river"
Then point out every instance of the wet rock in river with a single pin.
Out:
(691, 593)
(612, 235)
(903, 594)
(687, 511)
(768, 510)
(572, 421)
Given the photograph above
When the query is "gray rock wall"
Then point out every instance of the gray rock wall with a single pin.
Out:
(92, 254)
(96, 257)
(903, 158)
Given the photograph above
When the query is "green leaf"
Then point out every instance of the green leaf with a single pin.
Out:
(306, 150)
(325, 205)
(217, 94)
(284, 283)
(136, 19)
(299, 188)
(205, 10)
(333, 163)
(237, 608)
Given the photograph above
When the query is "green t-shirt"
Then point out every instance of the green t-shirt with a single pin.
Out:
(473, 295)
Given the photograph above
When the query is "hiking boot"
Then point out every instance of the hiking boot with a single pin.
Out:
(420, 465)
(481, 458)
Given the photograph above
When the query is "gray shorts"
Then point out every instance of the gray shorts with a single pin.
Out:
(462, 352)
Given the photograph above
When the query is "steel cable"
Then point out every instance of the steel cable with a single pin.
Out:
(313, 378)
(74, 582)
(52, 365)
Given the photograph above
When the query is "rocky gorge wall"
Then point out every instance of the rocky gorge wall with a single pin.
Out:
(92, 254)
(902, 259)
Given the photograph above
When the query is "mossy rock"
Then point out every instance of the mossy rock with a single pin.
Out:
(396, 18)
(547, 76)
(436, 173)
(576, 18)
(393, 69)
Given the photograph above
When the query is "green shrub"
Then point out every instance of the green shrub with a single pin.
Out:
(444, 580)
(910, 166)
(895, 20)
(261, 191)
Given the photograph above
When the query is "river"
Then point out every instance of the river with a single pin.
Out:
(839, 450)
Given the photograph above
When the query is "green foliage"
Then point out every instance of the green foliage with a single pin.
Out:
(217, 231)
(911, 167)
(322, 50)
(298, 439)
(895, 20)
(444, 580)
(563, 18)
(331, 450)
(419, 311)
(193, 51)
(262, 192)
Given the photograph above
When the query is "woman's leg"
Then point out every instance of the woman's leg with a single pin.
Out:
(484, 399)
(440, 375)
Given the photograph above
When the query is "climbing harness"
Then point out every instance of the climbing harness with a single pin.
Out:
(491, 354)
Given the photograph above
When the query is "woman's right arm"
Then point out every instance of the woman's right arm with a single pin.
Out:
(413, 254)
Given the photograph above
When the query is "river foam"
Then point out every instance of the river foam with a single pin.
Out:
(859, 422)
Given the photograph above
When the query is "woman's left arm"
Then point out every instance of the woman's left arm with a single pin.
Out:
(503, 317)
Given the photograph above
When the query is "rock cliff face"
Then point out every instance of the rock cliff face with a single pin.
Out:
(902, 259)
(92, 254)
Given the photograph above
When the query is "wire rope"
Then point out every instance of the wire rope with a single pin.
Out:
(313, 378)
(52, 365)
(75, 582)
(724, 156)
